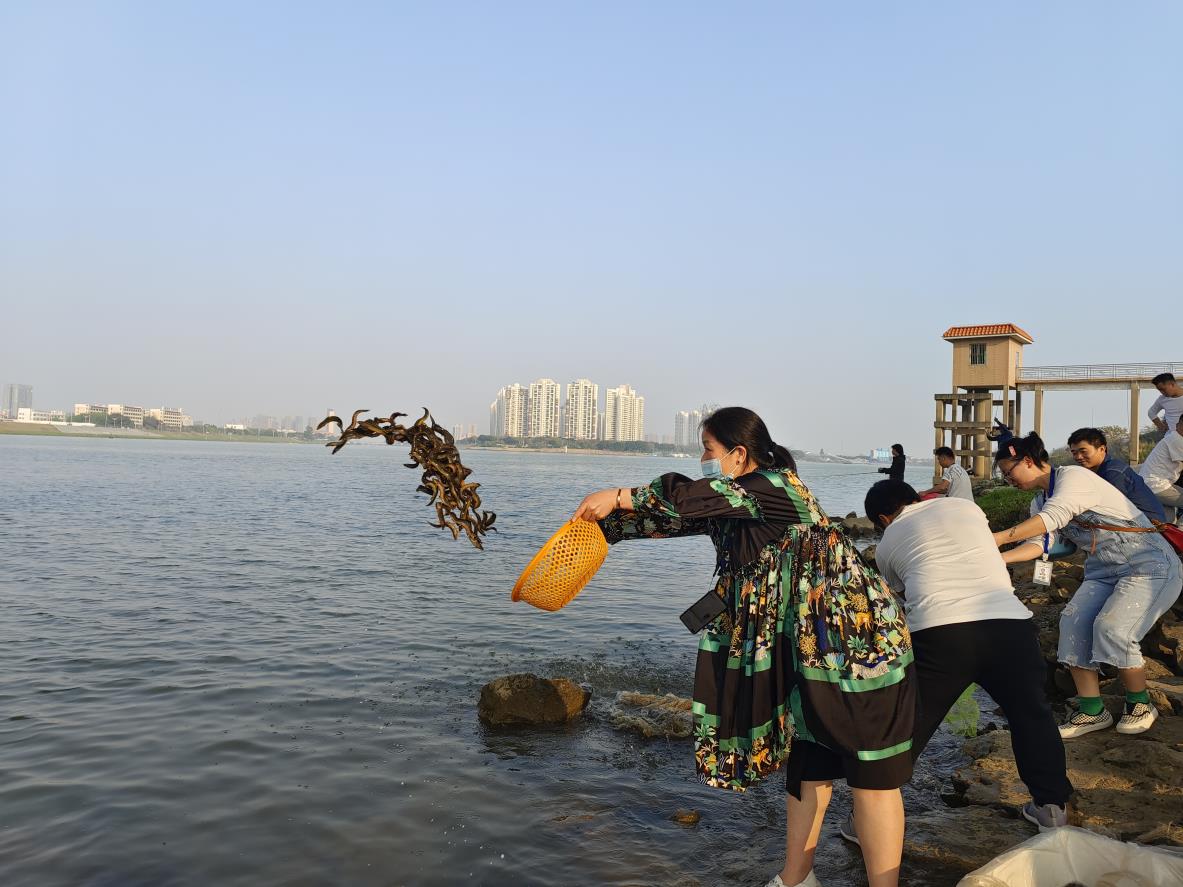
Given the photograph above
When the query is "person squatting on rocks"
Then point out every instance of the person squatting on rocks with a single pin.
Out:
(1169, 403)
(954, 482)
(1090, 449)
(896, 470)
(803, 638)
(1131, 578)
(1161, 472)
(969, 628)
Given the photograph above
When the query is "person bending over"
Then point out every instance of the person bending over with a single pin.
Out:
(1131, 577)
(969, 628)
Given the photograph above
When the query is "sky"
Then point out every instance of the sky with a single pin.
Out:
(281, 207)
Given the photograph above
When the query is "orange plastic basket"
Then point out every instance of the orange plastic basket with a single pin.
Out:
(562, 566)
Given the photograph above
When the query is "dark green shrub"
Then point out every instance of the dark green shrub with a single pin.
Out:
(1006, 506)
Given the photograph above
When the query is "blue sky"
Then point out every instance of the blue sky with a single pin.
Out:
(279, 207)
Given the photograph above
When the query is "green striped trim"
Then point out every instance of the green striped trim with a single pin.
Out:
(882, 753)
(731, 743)
(777, 480)
(855, 685)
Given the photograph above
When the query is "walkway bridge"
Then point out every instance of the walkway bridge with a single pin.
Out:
(1131, 377)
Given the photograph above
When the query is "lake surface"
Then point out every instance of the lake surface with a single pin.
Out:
(246, 664)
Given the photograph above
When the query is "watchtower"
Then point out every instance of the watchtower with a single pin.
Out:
(987, 360)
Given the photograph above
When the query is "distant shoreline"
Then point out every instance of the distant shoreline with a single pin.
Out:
(48, 429)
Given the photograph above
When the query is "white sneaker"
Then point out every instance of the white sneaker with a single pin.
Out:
(1138, 718)
(810, 881)
(1078, 724)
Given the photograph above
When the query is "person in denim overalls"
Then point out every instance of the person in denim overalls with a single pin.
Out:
(1131, 578)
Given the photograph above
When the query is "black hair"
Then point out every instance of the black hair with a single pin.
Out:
(1162, 377)
(888, 497)
(740, 427)
(944, 451)
(1029, 447)
(1093, 436)
(898, 449)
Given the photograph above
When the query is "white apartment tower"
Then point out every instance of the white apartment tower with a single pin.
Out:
(624, 414)
(545, 403)
(686, 425)
(581, 417)
(515, 410)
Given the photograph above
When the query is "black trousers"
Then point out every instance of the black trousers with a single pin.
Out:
(1002, 657)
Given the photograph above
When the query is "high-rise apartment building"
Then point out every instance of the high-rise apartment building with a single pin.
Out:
(624, 414)
(686, 424)
(16, 397)
(545, 403)
(509, 414)
(581, 416)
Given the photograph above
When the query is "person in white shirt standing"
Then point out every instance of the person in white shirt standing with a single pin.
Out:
(954, 482)
(968, 628)
(1162, 469)
(1169, 402)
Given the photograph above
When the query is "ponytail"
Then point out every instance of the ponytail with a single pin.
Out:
(782, 458)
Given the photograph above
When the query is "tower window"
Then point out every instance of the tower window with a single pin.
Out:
(977, 355)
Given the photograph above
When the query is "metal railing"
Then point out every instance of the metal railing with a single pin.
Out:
(1099, 372)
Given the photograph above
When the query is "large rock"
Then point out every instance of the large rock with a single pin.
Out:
(859, 527)
(526, 699)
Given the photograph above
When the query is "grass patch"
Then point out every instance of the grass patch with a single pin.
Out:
(1006, 506)
(26, 428)
(963, 716)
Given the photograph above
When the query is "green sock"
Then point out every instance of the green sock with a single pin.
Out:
(1090, 705)
(1141, 696)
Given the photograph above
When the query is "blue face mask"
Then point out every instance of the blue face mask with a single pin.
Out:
(713, 467)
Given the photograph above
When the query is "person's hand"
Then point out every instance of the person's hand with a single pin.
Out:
(1002, 537)
(1160, 424)
(596, 505)
(883, 471)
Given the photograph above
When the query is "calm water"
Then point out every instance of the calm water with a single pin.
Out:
(245, 664)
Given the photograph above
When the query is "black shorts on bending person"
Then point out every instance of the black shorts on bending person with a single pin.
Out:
(811, 762)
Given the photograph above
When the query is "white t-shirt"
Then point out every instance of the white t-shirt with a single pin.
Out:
(941, 556)
(1164, 463)
(1076, 491)
(1173, 407)
(960, 486)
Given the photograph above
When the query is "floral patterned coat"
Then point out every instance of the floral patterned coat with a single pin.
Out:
(812, 642)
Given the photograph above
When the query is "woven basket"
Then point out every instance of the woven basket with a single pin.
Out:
(562, 566)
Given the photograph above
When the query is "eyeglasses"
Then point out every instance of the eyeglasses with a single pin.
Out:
(1006, 474)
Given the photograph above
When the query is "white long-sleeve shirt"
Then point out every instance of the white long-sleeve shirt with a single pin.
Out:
(941, 556)
(1172, 406)
(1164, 463)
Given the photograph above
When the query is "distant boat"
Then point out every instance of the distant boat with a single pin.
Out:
(679, 455)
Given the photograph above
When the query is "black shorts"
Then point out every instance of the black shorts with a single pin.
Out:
(810, 762)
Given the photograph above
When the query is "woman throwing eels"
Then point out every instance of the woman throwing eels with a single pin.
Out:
(1131, 578)
(802, 637)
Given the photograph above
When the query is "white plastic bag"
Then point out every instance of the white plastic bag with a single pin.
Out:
(1064, 856)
